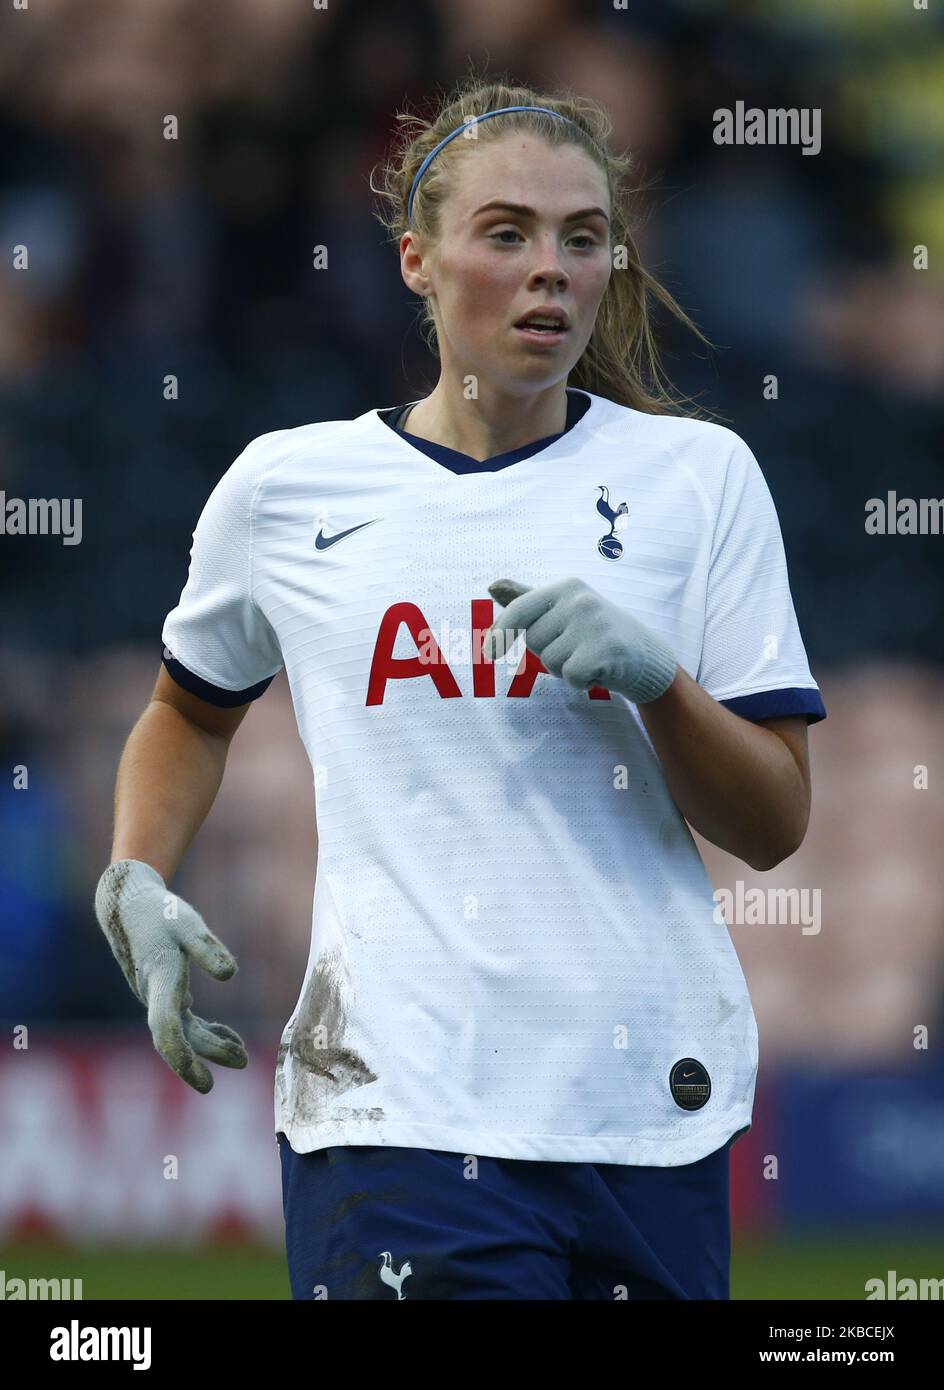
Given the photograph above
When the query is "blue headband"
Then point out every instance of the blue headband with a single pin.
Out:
(473, 120)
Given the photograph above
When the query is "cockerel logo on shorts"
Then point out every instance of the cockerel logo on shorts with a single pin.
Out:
(388, 1276)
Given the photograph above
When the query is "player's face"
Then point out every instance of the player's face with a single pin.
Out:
(494, 264)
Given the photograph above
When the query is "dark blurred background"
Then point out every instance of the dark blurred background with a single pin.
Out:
(192, 258)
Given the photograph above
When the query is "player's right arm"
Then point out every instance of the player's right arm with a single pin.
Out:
(168, 777)
(220, 654)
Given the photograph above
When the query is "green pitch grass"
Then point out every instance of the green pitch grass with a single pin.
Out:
(820, 1266)
(832, 1264)
(220, 1271)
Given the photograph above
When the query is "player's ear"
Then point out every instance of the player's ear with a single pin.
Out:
(412, 264)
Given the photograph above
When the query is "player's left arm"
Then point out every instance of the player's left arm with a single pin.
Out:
(745, 786)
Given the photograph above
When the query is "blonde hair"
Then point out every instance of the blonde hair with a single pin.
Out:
(621, 360)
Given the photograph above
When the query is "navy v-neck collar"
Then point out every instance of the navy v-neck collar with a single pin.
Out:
(578, 403)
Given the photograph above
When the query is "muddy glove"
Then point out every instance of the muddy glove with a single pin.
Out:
(582, 637)
(154, 935)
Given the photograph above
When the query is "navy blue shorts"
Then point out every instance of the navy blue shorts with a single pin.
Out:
(381, 1222)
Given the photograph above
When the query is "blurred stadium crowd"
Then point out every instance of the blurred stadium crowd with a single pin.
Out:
(193, 257)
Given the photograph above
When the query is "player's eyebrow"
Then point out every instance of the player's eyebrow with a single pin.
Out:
(498, 205)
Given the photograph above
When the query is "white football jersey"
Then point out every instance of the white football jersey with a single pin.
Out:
(515, 948)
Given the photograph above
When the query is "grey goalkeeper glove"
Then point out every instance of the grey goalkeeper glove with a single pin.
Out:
(582, 637)
(154, 935)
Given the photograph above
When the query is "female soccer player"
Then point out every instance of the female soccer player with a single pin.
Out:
(532, 624)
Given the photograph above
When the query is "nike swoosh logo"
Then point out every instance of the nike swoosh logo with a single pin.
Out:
(687, 1074)
(322, 541)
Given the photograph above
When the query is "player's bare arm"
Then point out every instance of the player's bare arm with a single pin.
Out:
(744, 786)
(168, 778)
(169, 775)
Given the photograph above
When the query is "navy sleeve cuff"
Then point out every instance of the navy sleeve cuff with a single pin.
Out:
(777, 704)
(213, 694)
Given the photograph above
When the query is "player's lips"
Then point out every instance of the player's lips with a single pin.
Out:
(544, 325)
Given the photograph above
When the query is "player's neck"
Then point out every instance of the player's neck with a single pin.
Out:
(484, 430)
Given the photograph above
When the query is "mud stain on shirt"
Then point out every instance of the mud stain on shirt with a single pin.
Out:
(324, 1067)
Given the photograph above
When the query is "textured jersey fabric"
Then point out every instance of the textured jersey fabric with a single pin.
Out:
(515, 950)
